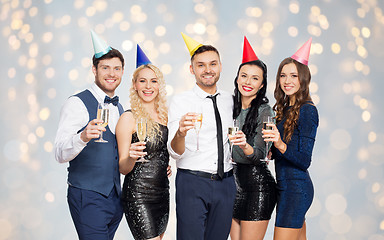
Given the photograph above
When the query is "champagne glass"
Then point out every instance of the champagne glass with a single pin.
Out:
(232, 131)
(198, 109)
(141, 130)
(198, 121)
(102, 114)
(267, 120)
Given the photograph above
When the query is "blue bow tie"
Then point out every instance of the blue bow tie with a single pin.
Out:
(114, 100)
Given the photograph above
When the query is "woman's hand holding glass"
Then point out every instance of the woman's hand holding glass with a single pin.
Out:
(141, 131)
(238, 139)
(267, 126)
(273, 135)
(136, 151)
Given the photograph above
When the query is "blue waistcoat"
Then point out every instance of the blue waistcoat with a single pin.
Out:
(96, 168)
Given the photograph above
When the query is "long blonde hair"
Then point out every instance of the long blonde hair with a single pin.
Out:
(139, 111)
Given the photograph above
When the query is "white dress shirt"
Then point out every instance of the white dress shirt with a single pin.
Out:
(206, 158)
(73, 117)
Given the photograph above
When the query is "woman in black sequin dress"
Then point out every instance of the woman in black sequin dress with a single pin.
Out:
(145, 195)
(256, 187)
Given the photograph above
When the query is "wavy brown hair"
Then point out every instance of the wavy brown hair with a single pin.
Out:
(139, 111)
(301, 97)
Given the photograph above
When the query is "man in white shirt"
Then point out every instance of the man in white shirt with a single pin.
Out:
(93, 174)
(205, 187)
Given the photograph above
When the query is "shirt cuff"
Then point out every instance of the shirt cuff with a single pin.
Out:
(78, 143)
(252, 158)
(172, 153)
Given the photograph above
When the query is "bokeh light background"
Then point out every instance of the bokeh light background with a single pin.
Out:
(46, 55)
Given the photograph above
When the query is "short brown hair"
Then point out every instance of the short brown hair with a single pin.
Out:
(111, 54)
(205, 48)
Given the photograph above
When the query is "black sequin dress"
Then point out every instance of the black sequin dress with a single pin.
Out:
(145, 193)
(256, 188)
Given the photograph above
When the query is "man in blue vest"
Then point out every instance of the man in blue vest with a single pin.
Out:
(93, 174)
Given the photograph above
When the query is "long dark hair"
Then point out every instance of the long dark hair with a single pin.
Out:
(301, 97)
(250, 124)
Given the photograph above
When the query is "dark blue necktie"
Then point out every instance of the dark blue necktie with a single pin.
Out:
(220, 147)
(114, 100)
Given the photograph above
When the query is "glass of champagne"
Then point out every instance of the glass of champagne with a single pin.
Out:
(198, 121)
(267, 120)
(141, 130)
(232, 131)
(102, 114)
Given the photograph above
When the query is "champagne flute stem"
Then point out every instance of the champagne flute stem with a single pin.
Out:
(197, 143)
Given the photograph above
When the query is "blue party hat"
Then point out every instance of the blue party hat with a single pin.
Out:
(99, 46)
(141, 58)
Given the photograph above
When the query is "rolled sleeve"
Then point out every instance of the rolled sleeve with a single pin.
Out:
(73, 117)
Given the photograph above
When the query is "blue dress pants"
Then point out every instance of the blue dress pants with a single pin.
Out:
(204, 207)
(95, 216)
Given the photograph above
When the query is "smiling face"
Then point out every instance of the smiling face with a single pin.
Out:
(289, 81)
(108, 75)
(147, 85)
(249, 81)
(206, 67)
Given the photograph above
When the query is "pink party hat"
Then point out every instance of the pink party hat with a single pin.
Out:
(248, 53)
(302, 55)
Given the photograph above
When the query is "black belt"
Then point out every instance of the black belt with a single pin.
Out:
(212, 176)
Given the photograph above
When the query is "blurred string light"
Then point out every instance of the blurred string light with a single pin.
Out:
(45, 55)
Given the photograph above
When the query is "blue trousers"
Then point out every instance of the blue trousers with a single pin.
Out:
(95, 216)
(204, 207)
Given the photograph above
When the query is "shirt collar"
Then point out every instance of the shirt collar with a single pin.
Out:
(202, 94)
(100, 94)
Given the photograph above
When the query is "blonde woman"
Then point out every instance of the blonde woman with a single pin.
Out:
(145, 194)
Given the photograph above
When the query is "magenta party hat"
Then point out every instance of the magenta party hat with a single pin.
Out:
(302, 55)
(141, 58)
(248, 53)
(99, 46)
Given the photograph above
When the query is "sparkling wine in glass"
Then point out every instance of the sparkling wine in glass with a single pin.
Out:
(141, 130)
(102, 114)
(232, 131)
(267, 120)
(198, 122)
